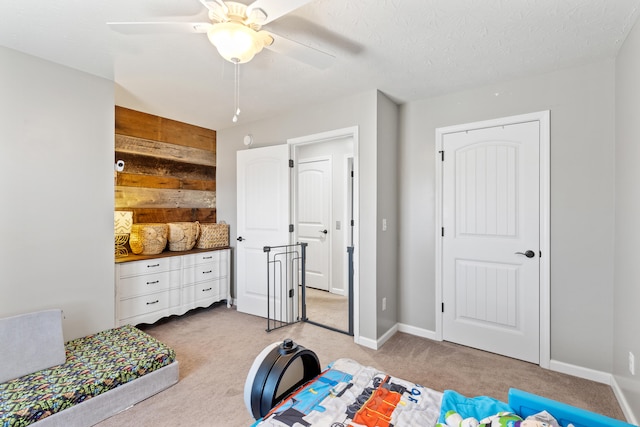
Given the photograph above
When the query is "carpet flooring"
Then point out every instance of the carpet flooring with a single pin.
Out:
(216, 348)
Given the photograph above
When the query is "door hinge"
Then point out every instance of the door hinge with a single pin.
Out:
(442, 231)
(441, 155)
(290, 163)
(290, 228)
(540, 254)
(442, 308)
(291, 293)
(352, 175)
(353, 223)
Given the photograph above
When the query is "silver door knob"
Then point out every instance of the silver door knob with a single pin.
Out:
(528, 254)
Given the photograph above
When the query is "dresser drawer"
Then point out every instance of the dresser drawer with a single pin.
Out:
(149, 303)
(199, 273)
(149, 283)
(208, 290)
(150, 266)
(201, 258)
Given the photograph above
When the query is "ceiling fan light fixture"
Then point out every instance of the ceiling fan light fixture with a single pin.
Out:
(235, 41)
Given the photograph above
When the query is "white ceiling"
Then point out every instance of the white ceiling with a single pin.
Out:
(408, 49)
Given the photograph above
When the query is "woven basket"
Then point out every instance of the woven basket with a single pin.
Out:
(148, 238)
(213, 236)
(183, 235)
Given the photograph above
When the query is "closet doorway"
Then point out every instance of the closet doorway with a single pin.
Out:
(323, 217)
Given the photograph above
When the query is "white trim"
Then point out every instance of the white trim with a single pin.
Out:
(622, 401)
(543, 117)
(419, 332)
(580, 372)
(352, 132)
(366, 342)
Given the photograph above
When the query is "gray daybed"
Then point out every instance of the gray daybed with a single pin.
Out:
(45, 382)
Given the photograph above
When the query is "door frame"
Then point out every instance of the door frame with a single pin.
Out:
(543, 117)
(349, 132)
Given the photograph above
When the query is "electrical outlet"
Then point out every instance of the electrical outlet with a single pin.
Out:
(384, 224)
(384, 303)
(632, 363)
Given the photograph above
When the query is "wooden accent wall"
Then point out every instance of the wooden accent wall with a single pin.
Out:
(170, 168)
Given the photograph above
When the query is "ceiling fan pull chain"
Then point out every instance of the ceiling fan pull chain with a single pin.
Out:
(237, 91)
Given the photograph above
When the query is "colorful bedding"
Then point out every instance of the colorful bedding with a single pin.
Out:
(348, 394)
(351, 394)
(94, 364)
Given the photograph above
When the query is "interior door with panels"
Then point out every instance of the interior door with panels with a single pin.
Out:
(263, 218)
(491, 239)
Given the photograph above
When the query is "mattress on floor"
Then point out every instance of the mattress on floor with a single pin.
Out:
(94, 364)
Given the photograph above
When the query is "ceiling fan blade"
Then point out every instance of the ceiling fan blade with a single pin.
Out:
(299, 51)
(274, 9)
(216, 6)
(159, 27)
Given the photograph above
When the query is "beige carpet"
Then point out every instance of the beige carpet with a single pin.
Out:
(328, 309)
(217, 346)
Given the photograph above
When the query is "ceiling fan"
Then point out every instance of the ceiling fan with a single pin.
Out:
(236, 30)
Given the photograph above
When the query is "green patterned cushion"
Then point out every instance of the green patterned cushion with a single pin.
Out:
(95, 364)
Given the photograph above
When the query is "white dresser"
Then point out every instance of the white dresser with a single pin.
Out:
(147, 290)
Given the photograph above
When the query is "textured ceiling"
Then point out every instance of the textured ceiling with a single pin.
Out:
(408, 49)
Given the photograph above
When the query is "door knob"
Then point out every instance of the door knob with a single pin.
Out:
(528, 254)
(240, 239)
(324, 231)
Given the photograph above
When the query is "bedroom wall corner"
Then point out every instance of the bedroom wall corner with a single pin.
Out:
(56, 219)
(626, 291)
(387, 212)
(581, 102)
(355, 110)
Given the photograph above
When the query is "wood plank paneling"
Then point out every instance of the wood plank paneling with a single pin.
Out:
(163, 150)
(170, 168)
(149, 181)
(147, 126)
(148, 165)
(141, 215)
(139, 197)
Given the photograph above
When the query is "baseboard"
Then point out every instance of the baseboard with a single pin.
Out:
(376, 344)
(580, 372)
(366, 342)
(419, 332)
(622, 401)
(385, 337)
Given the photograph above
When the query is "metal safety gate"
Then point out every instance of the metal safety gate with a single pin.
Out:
(285, 272)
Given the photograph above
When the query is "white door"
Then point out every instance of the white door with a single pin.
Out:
(314, 219)
(491, 239)
(262, 220)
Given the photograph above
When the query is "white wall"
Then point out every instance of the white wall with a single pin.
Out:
(56, 220)
(627, 233)
(358, 110)
(581, 101)
(387, 209)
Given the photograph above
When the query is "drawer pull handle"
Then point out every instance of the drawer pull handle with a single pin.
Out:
(153, 283)
(207, 272)
(206, 290)
(153, 265)
(207, 257)
(153, 302)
